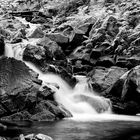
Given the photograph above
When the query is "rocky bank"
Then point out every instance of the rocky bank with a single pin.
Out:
(96, 38)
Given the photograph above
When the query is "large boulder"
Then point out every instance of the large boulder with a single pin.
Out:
(16, 77)
(59, 38)
(45, 51)
(49, 57)
(80, 60)
(35, 33)
(125, 93)
(22, 96)
(2, 46)
(102, 78)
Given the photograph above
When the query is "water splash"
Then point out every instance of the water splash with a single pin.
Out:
(84, 104)
(79, 100)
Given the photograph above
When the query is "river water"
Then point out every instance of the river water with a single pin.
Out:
(91, 130)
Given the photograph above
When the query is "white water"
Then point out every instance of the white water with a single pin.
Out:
(77, 100)
(81, 101)
(80, 109)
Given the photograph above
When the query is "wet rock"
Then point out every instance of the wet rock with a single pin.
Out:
(5, 33)
(20, 116)
(131, 85)
(36, 54)
(66, 9)
(2, 46)
(20, 34)
(106, 61)
(21, 95)
(136, 42)
(43, 137)
(98, 38)
(52, 48)
(48, 111)
(128, 108)
(128, 62)
(35, 137)
(35, 33)
(46, 51)
(85, 28)
(81, 53)
(133, 36)
(15, 76)
(43, 116)
(76, 39)
(128, 93)
(111, 26)
(96, 53)
(102, 78)
(57, 110)
(58, 38)
(122, 62)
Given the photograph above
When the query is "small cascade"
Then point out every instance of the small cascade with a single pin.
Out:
(80, 100)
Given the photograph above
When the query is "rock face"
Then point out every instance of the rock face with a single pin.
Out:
(103, 78)
(21, 95)
(49, 57)
(2, 46)
(125, 93)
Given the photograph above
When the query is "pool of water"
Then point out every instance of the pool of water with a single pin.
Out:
(88, 130)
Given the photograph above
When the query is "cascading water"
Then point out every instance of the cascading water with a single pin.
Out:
(78, 100)
(81, 101)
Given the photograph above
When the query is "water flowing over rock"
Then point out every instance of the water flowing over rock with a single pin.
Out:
(19, 91)
(96, 39)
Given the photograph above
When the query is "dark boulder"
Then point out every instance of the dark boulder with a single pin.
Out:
(85, 28)
(102, 78)
(76, 39)
(2, 46)
(22, 96)
(59, 38)
(106, 61)
(15, 77)
(52, 48)
(49, 57)
(20, 116)
(35, 33)
(36, 54)
(111, 26)
(126, 100)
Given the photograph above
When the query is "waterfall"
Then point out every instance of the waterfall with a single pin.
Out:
(81, 101)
